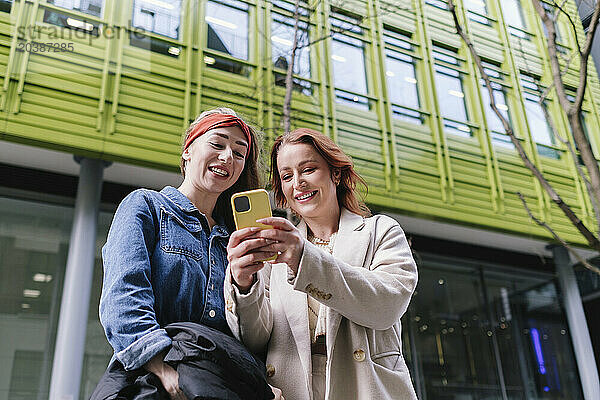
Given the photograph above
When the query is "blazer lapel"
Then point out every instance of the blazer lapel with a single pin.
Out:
(351, 235)
(295, 305)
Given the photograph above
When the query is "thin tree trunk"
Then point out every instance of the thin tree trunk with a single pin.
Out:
(289, 76)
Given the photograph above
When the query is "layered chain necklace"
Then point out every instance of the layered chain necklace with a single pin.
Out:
(324, 244)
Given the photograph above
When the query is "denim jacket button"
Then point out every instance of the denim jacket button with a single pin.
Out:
(212, 313)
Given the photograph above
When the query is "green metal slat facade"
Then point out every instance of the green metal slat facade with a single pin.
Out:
(111, 100)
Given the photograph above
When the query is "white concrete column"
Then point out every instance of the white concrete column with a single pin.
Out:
(72, 323)
(580, 335)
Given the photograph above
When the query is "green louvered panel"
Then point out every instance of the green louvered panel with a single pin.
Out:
(418, 164)
(441, 26)
(399, 14)
(487, 41)
(515, 178)
(526, 55)
(359, 135)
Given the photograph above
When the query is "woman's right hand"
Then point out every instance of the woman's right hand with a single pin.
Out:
(167, 376)
(244, 256)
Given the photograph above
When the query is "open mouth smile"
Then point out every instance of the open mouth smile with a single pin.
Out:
(305, 196)
(219, 171)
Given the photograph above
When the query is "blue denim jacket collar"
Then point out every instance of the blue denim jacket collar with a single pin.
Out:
(187, 206)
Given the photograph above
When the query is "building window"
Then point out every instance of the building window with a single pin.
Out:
(282, 40)
(514, 18)
(494, 124)
(540, 129)
(5, 5)
(441, 4)
(227, 24)
(450, 92)
(290, 6)
(553, 15)
(348, 56)
(401, 77)
(162, 17)
(90, 7)
(477, 11)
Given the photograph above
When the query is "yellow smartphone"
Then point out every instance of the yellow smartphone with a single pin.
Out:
(248, 207)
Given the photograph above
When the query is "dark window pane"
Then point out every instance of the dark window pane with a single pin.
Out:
(138, 39)
(69, 22)
(227, 65)
(5, 5)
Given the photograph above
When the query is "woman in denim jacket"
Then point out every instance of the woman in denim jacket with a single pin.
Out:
(165, 256)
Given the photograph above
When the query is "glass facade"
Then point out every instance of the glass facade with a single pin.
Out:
(476, 334)
(34, 241)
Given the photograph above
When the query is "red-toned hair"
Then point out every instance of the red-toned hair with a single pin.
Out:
(347, 195)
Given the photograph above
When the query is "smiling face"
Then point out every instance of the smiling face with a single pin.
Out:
(306, 180)
(215, 160)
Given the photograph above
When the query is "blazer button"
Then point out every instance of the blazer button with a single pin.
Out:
(359, 355)
(270, 370)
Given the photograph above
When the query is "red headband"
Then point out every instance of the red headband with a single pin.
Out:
(217, 120)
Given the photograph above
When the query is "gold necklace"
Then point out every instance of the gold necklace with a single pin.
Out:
(327, 244)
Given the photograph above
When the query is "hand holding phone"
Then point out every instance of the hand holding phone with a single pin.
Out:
(248, 207)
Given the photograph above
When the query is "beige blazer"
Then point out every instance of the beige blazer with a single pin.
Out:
(367, 284)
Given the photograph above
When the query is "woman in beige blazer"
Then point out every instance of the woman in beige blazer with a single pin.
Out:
(327, 310)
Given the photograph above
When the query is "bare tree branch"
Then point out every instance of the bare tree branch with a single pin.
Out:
(554, 196)
(558, 238)
(573, 110)
(561, 9)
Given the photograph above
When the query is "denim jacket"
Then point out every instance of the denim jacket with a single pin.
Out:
(162, 264)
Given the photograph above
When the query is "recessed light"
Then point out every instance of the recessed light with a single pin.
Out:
(33, 293)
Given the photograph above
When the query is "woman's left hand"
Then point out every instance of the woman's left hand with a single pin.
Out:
(290, 243)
